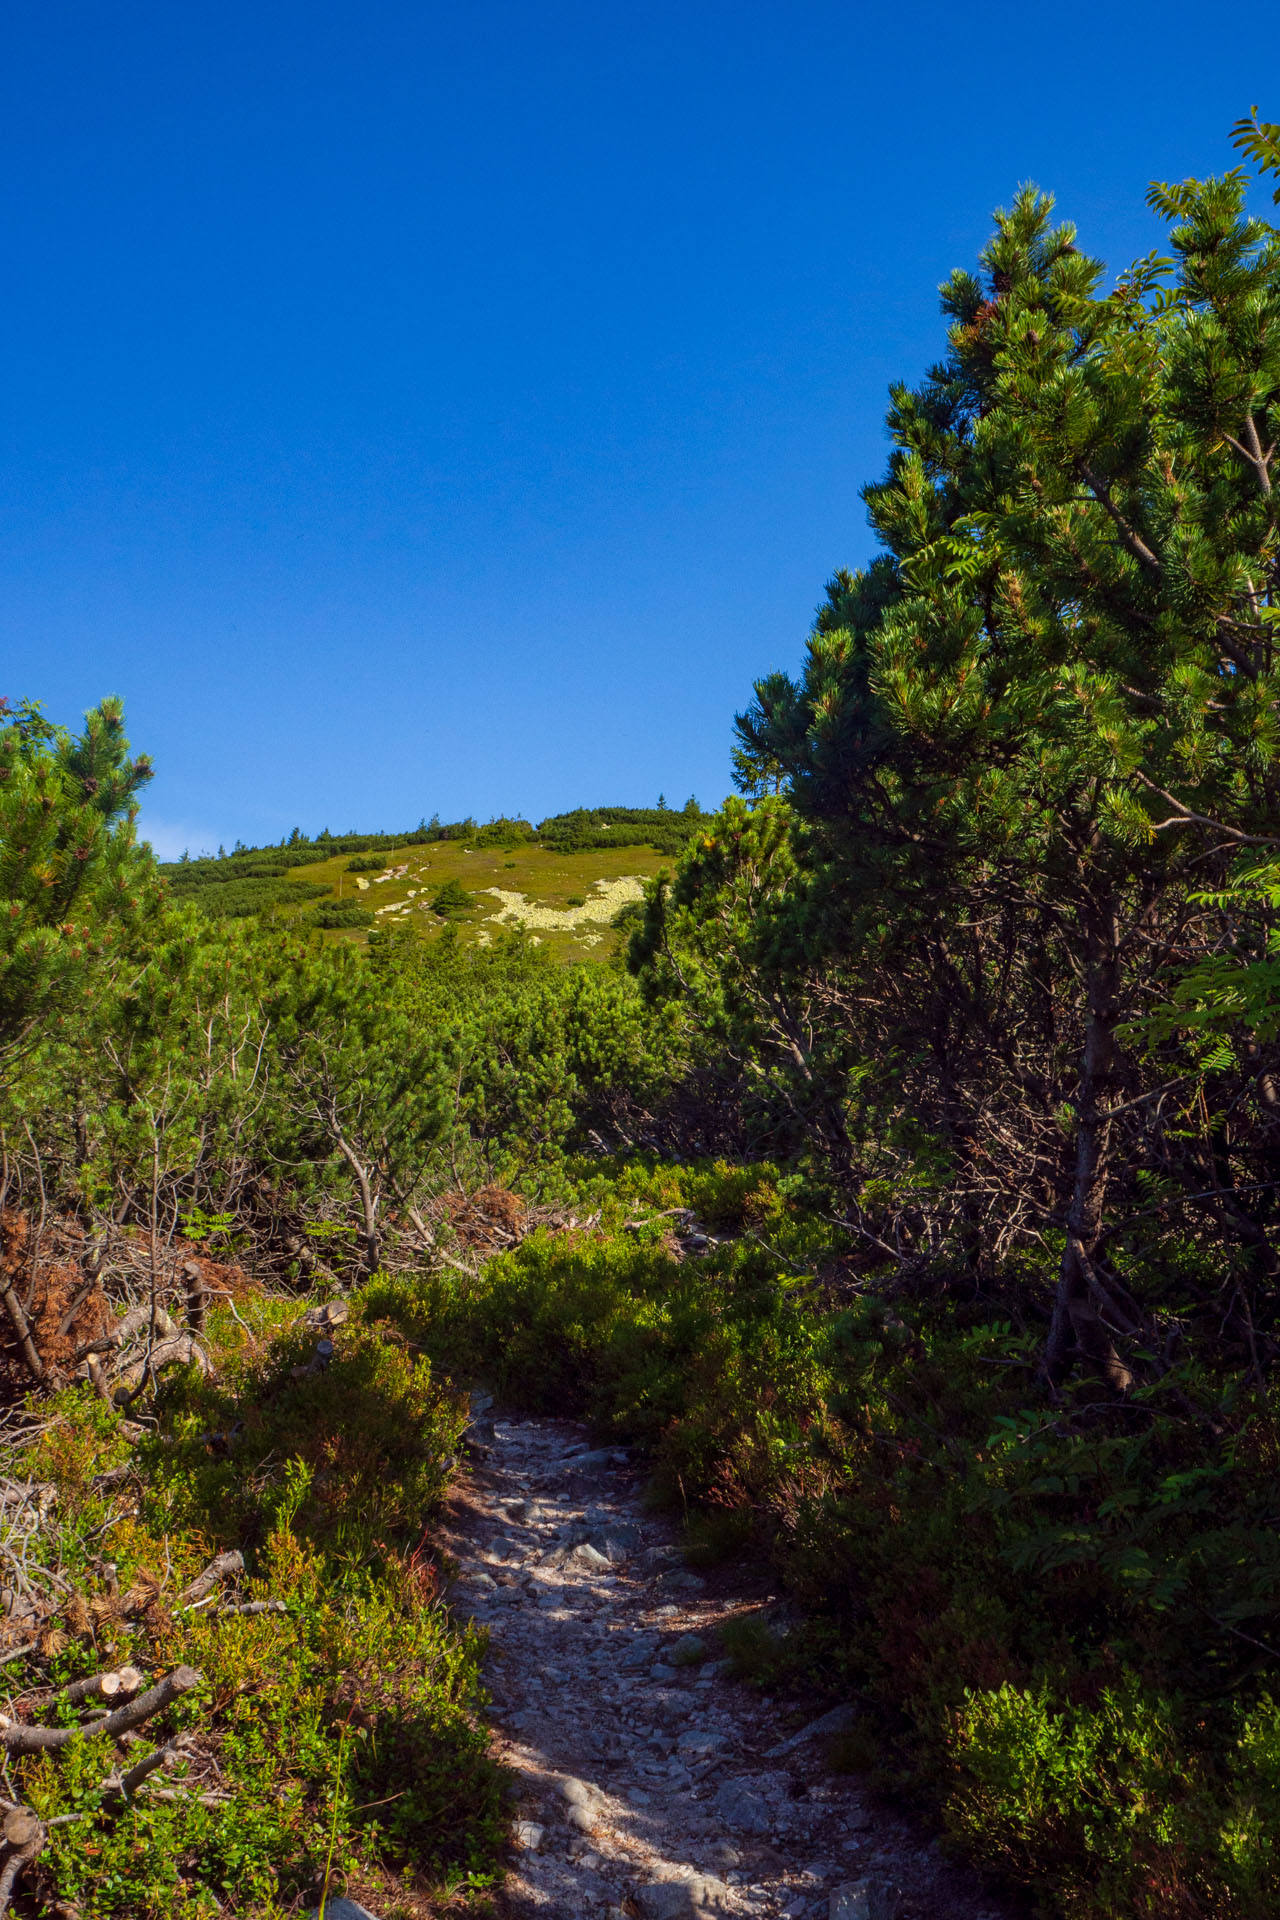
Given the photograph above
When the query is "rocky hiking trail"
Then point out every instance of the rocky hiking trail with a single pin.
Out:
(649, 1782)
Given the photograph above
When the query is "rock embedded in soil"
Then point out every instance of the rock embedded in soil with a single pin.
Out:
(591, 1558)
(840, 1720)
(577, 1793)
(865, 1900)
(743, 1809)
(681, 1899)
(698, 1742)
(594, 1461)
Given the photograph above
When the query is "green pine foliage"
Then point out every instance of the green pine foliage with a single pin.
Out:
(1037, 728)
(621, 827)
(340, 914)
(72, 882)
(451, 899)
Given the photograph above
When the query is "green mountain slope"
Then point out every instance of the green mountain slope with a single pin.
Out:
(565, 880)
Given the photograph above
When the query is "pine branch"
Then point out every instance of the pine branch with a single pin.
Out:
(1132, 540)
(1184, 816)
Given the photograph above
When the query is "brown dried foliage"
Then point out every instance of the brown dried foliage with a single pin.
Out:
(64, 1310)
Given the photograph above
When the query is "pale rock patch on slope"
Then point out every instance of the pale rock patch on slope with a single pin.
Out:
(611, 895)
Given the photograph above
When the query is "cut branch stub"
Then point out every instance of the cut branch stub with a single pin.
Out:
(24, 1850)
(118, 1686)
(21, 1827)
(324, 1319)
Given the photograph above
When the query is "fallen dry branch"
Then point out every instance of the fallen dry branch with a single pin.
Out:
(119, 1788)
(15, 1493)
(181, 1350)
(224, 1566)
(24, 1739)
(119, 1684)
(113, 1477)
(183, 1793)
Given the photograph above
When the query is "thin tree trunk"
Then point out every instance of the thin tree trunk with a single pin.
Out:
(1077, 1332)
(368, 1199)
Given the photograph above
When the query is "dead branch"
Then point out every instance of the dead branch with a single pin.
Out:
(119, 1788)
(199, 1799)
(22, 1328)
(113, 1477)
(119, 1685)
(193, 1276)
(138, 1322)
(22, 1739)
(222, 1567)
(182, 1350)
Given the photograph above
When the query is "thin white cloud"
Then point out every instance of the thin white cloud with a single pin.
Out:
(170, 839)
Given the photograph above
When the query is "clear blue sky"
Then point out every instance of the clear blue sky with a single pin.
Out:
(415, 407)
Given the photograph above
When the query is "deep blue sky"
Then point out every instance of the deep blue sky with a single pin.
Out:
(413, 407)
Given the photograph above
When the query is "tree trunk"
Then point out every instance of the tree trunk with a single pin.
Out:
(368, 1198)
(1077, 1332)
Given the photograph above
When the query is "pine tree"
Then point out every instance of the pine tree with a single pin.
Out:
(1055, 693)
(70, 871)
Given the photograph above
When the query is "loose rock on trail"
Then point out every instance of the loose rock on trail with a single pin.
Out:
(649, 1783)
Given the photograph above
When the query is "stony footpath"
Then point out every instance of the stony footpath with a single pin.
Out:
(650, 1784)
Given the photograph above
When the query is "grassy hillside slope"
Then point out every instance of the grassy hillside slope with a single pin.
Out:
(565, 881)
(566, 899)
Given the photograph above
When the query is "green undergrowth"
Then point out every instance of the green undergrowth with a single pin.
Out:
(345, 1728)
(1058, 1619)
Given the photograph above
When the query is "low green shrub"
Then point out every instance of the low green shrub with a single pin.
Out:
(451, 899)
(352, 1717)
(505, 833)
(340, 913)
(238, 898)
(1056, 1618)
(1106, 1790)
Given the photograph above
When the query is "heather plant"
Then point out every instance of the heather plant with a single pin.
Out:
(334, 1696)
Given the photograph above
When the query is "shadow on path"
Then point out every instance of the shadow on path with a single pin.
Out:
(644, 1774)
